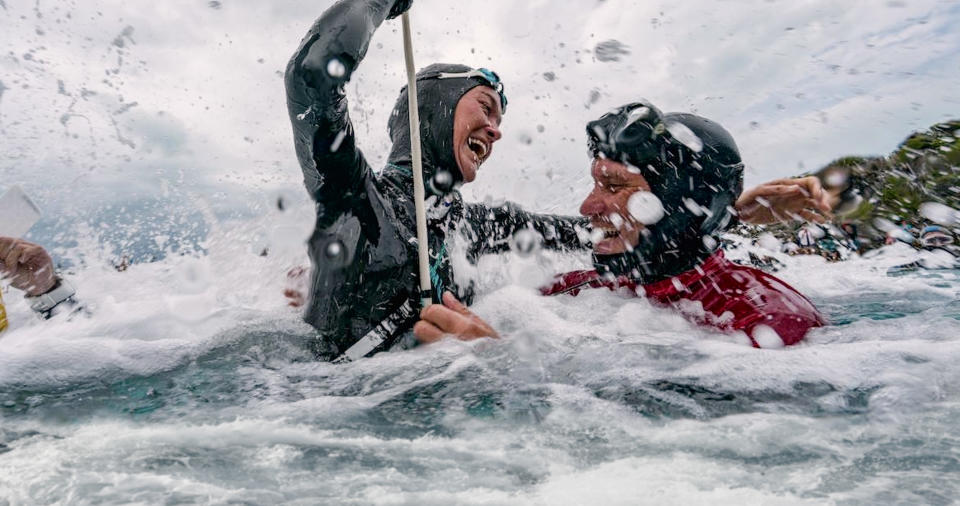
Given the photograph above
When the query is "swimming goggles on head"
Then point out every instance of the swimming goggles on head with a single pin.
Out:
(489, 76)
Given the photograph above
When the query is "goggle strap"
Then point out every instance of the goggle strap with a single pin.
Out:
(490, 77)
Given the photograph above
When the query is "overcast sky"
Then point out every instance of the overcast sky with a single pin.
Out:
(106, 100)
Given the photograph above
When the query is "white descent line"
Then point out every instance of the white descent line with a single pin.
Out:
(418, 193)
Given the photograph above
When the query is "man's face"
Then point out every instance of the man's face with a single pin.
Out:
(615, 230)
(476, 126)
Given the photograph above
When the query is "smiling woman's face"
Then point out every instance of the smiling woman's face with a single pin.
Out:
(607, 206)
(476, 126)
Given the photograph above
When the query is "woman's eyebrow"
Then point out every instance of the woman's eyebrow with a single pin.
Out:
(490, 102)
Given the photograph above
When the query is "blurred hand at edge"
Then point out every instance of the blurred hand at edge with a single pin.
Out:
(27, 266)
(785, 200)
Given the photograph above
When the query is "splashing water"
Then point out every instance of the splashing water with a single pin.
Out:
(227, 403)
(645, 207)
(527, 242)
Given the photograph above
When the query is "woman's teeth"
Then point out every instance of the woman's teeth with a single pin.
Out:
(478, 148)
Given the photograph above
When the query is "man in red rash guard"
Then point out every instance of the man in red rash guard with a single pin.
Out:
(736, 298)
(665, 187)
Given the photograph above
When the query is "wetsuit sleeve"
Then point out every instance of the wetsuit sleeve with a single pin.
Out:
(324, 137)
(494, 229)
(351, 214)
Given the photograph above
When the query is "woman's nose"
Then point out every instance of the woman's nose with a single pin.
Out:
(493, 132)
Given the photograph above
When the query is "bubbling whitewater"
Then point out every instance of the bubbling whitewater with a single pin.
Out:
(197, 387)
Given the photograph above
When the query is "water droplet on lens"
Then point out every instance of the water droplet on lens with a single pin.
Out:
(836, 179)
(685, 136)
(616, 220)
(645, 207)
(526, 242)
(709, 242)
(334, 249)
(596, 235)
(442, 181)
(336, 68)
(693, 206)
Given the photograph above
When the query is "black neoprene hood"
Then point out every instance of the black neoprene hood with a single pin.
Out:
(692, 165)
(438, 100)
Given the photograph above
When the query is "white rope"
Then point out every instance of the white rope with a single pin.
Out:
(418, 193)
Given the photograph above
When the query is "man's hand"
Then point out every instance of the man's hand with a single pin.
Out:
(784, 200)
(451, 318)
(27, 266)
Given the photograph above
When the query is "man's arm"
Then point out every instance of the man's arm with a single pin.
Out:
(495, 229)
(784, 200)
(502, 228)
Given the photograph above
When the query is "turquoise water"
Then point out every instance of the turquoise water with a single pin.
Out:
(586, 400)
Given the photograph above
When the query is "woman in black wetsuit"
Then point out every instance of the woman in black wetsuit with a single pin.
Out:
(363, 249)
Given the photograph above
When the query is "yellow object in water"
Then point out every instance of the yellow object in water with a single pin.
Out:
(3, 316)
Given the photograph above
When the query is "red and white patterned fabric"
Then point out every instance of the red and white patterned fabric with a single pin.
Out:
(734, 297)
